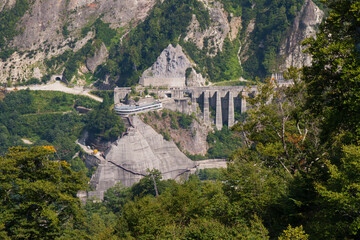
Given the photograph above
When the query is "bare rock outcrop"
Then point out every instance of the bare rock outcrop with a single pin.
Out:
(244, 47)
(47, 19)
(50, 27)
(172, 62)
(305, 26)
(191, 139)
(197, 144)
(98, 58)
(6, 4)
(168, 70)
(195, 79)
(217, 31)
(235, 27)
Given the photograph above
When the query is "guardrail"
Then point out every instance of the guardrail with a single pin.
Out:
(126, 110)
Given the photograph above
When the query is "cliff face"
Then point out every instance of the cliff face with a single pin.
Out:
(172, 63)
(50, 27)
(170, 70)
(305, 26)
(45, 22)
(216, 32)
(6, 4)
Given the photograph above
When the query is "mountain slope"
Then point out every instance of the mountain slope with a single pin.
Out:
(226, 39)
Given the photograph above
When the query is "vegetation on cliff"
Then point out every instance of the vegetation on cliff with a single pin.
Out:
(8, 25)
(140, 48)
(45, 118)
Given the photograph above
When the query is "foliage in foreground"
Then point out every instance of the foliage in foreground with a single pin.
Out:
(38, 194)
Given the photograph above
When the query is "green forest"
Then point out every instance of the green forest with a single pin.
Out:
(296, 176)
(49, 118)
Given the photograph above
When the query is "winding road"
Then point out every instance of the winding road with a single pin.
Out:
(61, 87)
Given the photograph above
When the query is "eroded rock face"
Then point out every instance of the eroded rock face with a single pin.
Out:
(305, 26)
(98, 58)
(46, 18)
(127, 159)
(6, 4)
(168, 70)
(217, 31)
(197, 144)
(51, 27)
(172, 62)
(195, 79)
(43, 26)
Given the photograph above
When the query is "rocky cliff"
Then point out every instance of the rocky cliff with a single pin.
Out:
(172, 63)
(49, 28)
(304, 26)
(6, 4)
(191, 139)
(170, 70)
(216, 32)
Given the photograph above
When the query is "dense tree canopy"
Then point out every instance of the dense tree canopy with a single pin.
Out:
(38, 194)
(103, 122)
(334, 77)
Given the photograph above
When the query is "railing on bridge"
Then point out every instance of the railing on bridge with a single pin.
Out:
(126, 110)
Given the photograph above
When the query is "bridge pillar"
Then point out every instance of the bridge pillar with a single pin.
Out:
(243, 101)
(206, 110)
(193, 102)
(116, 96)
(231, 115)
(218, 119)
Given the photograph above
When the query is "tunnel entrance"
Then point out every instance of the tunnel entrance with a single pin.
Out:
(58, 78)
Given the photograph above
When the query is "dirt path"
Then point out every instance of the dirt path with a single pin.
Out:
(58, 86)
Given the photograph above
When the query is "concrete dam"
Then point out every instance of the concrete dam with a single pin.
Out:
(142, 148)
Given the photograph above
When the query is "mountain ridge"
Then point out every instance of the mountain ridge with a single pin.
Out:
(216, 34)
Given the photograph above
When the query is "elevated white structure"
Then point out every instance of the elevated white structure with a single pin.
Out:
(128, 109)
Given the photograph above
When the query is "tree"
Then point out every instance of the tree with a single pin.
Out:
(296, 233)
(339, 216)
(151, 184)
(278, 128)
(38, 194)
(333, 79)
(252, 186)
(104, 123)
(116, 197)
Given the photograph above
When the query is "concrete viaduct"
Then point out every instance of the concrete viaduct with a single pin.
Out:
(217, 104)
(214, 104)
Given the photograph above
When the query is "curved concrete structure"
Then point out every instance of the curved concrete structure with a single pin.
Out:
(126, 110)
(127, 159)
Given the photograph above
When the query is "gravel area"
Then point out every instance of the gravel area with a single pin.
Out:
(58, 86)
